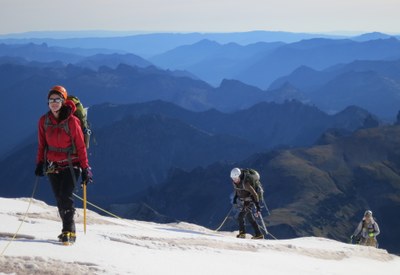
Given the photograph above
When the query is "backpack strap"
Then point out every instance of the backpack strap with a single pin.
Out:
(241, 188)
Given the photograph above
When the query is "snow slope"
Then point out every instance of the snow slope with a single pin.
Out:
(116, 246)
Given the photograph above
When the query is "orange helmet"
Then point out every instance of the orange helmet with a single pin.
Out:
(58, 89)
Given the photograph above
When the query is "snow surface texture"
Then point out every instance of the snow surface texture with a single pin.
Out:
(116, 246)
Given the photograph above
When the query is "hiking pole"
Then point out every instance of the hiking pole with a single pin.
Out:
(84, 207)
(264, 227)
(223, 222)
(263, 223)
(266, 207)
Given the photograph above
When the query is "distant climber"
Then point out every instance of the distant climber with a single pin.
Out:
(366, 231)
(244, 185)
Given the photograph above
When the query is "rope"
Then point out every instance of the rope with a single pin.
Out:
(109, 213)
(125, 220)
(23, 218)
(224, 219)
(99, 208)
(267, 232)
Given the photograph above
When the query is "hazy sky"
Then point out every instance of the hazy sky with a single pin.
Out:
(200, 15)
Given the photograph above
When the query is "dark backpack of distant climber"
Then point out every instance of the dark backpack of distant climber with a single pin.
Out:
(253, 177)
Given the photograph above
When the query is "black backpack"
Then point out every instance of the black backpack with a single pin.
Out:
(255, 181)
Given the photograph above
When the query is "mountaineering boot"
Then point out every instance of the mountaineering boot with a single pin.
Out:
(67, 238)
(258, 236)
(257, 231)
(241, 235)
(67, 217)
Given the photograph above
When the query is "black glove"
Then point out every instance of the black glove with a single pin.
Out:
(39, 169)
(87, 175)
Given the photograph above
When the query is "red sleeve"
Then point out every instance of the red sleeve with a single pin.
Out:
(77, 136)
(41, 141)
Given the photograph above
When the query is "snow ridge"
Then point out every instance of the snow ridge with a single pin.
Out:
(115, 246)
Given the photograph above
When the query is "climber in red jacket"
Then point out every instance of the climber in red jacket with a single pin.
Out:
(62, 156)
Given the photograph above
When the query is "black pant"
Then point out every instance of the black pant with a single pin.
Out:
(63, 185)
(246, 213)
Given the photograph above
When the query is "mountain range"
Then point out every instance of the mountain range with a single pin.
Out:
(267, 125)
(374, 85)
(129, 155)
(151, 44)
(261, 63)
(123, 84)
(276, 61)
(88, 58)
(212, 61)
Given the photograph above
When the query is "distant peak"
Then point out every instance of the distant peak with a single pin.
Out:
(207, 42)
(304, 68)
(371, 36)
(227, 83)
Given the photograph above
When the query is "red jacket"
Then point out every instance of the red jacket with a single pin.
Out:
(57, 137)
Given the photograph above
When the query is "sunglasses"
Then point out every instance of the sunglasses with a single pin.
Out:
(55, 100)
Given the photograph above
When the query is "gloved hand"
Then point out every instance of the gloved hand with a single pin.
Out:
(87, 176)
(39, 169)
(371, 235)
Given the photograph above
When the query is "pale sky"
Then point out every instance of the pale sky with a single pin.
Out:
(200, 15)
